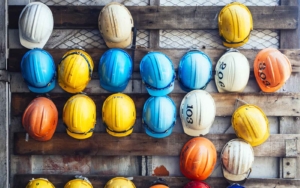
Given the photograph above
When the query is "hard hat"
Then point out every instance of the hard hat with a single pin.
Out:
(237, 157)
(159, 183)
(194, 70)
(79, 116)
(198, 158)
(157, 73)
(115, 69)
(40, 119)
(119, 182)
(38, 70)
(75, 71)
(251, 124)
(235, 24)
(232, 72)
(235, 186)
(115, 24)
(159, 116)
(118, 115)
(40, 183)
(197, 112)
(35, 25)
(196, 184)
(271, 69)
(79, 182)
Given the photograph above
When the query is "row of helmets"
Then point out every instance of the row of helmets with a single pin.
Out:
(116, 25)
(83, 182)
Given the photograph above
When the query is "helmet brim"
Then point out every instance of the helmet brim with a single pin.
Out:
(194, 132)
(123, 134)
(113, 88)
(234, 177)
(123, 44)
(70, 89)
(158, 135)
(220, 90)
(159, 93)
(79, 136)
(43, 89)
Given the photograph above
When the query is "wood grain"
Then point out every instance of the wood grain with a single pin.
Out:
(149, 17)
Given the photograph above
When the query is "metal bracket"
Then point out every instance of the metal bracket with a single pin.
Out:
(289, 168)
(4, 76)
(291, 148)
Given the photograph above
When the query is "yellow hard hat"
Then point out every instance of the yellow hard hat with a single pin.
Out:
(235, 24)
(251, 124)
(40, 183)
(75, 71)
(119, 182)
(79, 115)
(118, 115)
(79, 182)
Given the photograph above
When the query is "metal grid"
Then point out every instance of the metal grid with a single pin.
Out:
(217, 2)
(93, 2)
(93, 39)
(259, 39)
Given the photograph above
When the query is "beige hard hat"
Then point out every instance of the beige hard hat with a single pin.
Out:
(115, 24)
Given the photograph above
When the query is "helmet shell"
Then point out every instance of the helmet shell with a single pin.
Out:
(75, 71)
(197, 112)
(40, 119)
(79, 115)
(159, 116)
(78, 183)
(232, 72)
(40, 182)
(235, 24)
(251, 124)
(35, 25)
(198, 158)
(119, 182)
(115, 24)
(237, 157)
(271, 69)
(115, 69)
(157, 73)
(196, 184)
(118, 115)
(38, 70)
(194, 70)
(235, 186)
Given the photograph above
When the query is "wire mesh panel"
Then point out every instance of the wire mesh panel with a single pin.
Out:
(217, 2)
(93, 2)
(93, 39)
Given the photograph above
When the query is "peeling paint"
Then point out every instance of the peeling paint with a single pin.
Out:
(161, 171)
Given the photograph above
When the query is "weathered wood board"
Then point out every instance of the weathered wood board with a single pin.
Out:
(149, 17)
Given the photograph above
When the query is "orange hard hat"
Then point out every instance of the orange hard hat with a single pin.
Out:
(159, 183)
(271, 69)
(196, 184)
(198, 158)
(40, 119)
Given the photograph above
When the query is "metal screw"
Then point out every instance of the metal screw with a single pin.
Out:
(282, 118)
(288, 173)
(287, 163)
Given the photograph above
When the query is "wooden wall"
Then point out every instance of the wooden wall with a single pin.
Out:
(144, 158)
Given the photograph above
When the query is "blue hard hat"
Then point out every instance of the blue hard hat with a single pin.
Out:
(194, 70)
(235, 186)
(157, 73)
(159, 116)
(38, 70)
(115, 69)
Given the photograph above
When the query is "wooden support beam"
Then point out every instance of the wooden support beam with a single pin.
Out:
(15, 56)
(136, 144)
(21, 180)
(149, 17)
(275, 104)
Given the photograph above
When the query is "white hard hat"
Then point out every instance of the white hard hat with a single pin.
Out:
(197, 112)
(115, 24)
(35, 25)
(232, 72)
(237, 157)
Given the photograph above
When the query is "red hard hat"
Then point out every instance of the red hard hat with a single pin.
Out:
(196, 184)
(40, 119)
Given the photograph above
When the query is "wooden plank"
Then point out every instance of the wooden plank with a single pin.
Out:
(21, 180)
(275, 104)
(15, 56)
(149, 17)
(136, 144)
(3, 34)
